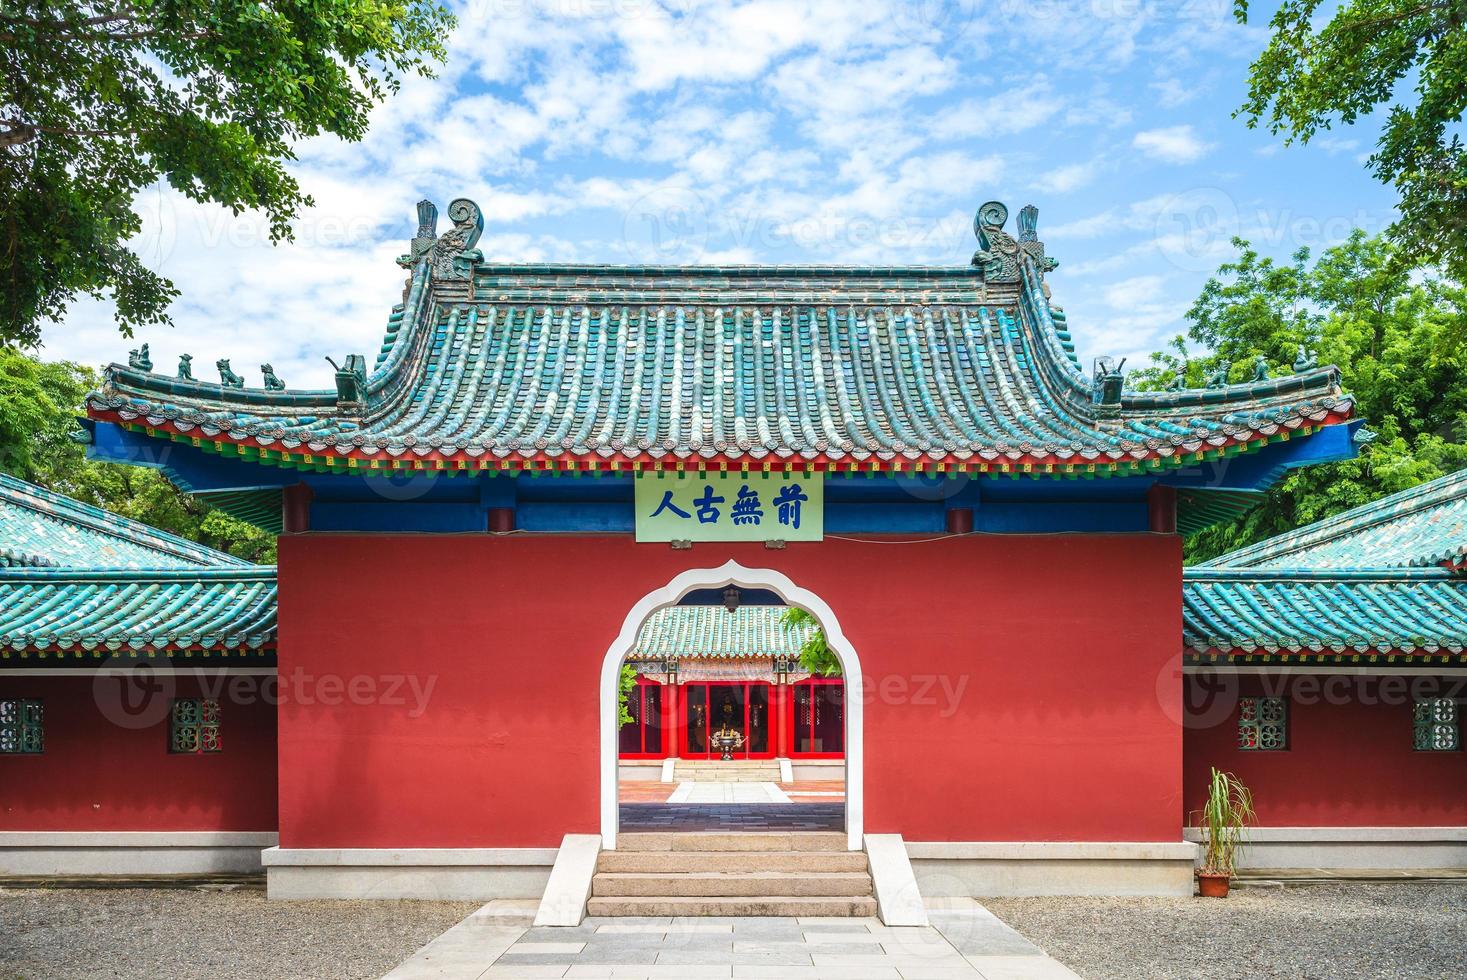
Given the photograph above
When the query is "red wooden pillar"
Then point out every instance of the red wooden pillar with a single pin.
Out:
(1161, 509)
(295, 509)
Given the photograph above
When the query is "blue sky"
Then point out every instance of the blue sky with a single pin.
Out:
(789, 131)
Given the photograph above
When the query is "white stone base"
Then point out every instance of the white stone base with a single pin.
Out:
(1005, 869)
(430, 873)
(807, 769)
(1351, 848)
(89, 853)
(639, 770)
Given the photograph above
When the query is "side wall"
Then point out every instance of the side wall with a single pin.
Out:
(106, 765)
(1008, 676)
(1349, 762)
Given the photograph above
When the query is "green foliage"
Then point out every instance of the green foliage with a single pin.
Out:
(816, 657)
(626, 684)
(37, 417)
(1317, 71)
(1398, 341)
(1226, 817)
(103, 98)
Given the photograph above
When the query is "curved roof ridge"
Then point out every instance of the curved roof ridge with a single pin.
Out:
(1423, 525)
(546, 366)
(39, 527)
(713, 631)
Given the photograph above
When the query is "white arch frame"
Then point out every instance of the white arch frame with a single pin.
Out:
(732, 573)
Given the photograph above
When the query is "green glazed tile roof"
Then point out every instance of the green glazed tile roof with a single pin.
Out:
(713, 631)
(39, 528)
(1423, 526)
(73, 609)
(833, 367)
(1319, 610)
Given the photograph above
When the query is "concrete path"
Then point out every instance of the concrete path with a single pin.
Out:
(965, 941)
(695, 792)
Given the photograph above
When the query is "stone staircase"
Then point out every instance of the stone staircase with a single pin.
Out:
(718, 771)
(796, 873)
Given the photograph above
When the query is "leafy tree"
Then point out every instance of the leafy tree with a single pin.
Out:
(1316, 71)
(102, 98)
(1398, 341)
(626, 683)
(816, 657)
(37, 419)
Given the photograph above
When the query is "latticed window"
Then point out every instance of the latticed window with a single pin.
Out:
(1435, 725)
(21, 726)
(1263, 724)
(194, 726)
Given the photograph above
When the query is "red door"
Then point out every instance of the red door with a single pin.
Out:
(644, 737)
(745, 707)
(817, 718)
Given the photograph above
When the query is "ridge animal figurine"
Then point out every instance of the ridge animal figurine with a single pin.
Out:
(1305, 360)
(140, 359)
(1219, 378)
(185, 367)
(272, 383)
(227, 377)
(1178, 381)
(1260, 368)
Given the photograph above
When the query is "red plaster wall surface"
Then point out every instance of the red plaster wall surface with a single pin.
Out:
(1061, 650)
(1349, 761)
(106, 764)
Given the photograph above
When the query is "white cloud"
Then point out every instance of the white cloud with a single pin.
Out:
(1062, 180)
(1172, 144)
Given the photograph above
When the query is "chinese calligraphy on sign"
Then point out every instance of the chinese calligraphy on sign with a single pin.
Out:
(730, 506)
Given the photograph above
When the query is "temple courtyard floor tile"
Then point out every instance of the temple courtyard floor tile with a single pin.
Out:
(966, 941)
(1402, 929)
(726, 817)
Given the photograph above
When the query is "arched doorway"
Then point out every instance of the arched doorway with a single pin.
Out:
(732, 573)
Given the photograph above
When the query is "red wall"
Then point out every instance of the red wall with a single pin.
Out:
(1065, 730)
(106, 764)
(1349, 760)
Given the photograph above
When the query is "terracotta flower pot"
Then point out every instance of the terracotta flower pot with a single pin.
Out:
(1211, 885)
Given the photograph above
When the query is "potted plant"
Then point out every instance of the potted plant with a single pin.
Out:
(1225, 817)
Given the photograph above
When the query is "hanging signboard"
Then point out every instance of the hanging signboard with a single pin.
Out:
(730, 506)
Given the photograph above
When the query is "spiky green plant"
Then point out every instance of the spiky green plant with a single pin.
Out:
(1226, 818)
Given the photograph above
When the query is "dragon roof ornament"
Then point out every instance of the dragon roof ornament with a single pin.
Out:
(451, 254)
(1000, 255)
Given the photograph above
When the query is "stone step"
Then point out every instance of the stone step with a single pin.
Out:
(782, 905)
(841, 884)
(682, 861)
(813, 840)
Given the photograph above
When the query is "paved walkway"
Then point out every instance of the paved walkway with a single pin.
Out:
(732, 816)
(965, 941)
(693, 792)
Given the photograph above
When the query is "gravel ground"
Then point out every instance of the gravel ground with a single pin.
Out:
(1351, 930)
(157, 934)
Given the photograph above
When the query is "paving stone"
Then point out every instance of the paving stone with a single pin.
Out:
(620, 957)
(979, 932)
(790, 958)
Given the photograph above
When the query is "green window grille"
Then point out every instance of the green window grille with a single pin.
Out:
(22, 730)
(1435, 725)
(1263, 724)
(194, 726)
